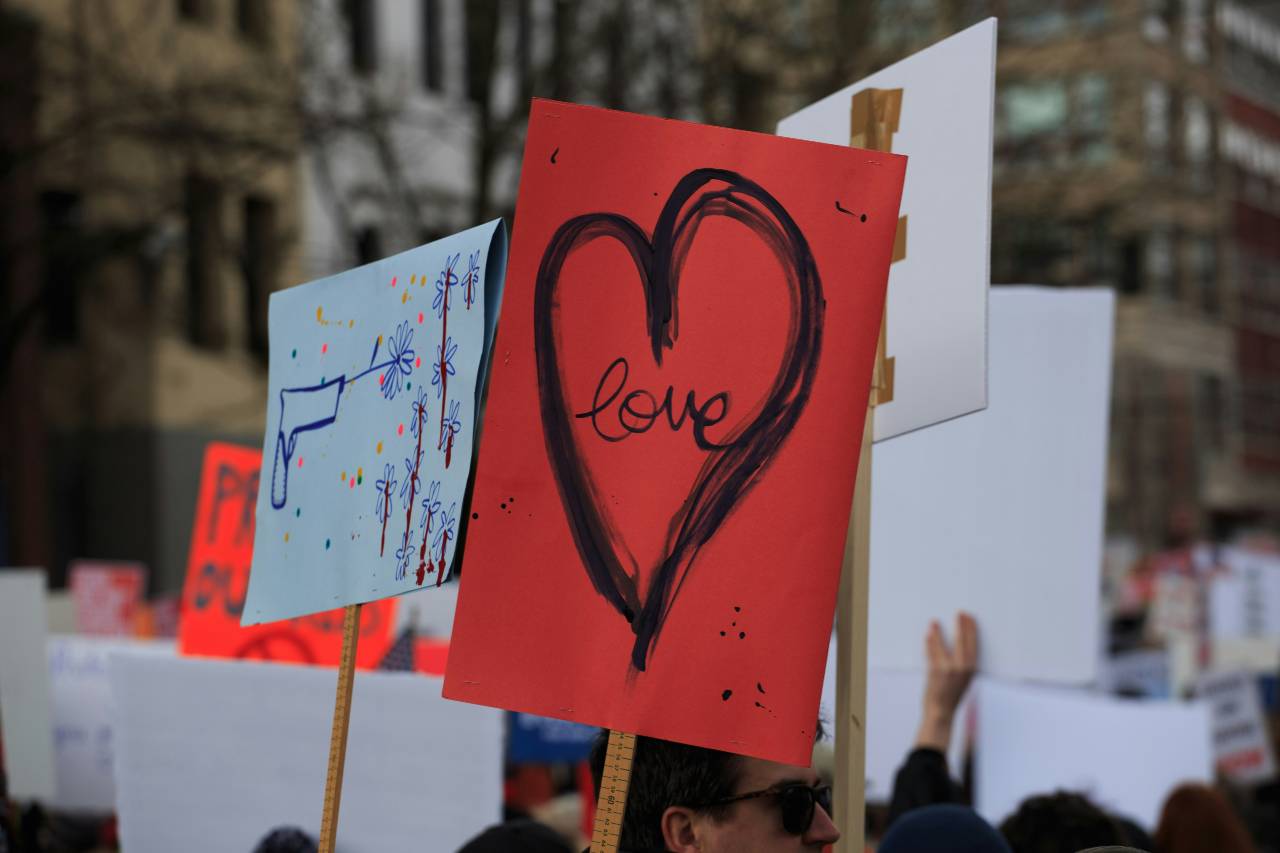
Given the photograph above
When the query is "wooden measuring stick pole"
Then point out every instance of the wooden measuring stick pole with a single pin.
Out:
(341, 719)
(611, 804)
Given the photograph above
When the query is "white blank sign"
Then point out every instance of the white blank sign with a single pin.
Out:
(82, 732)
(1000, 513)
(1126, 755)
(24, 686)
(894, 704)
(936, 313)
(212, 755)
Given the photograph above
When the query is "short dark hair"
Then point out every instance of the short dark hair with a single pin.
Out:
(665, 774)
(1061, 822)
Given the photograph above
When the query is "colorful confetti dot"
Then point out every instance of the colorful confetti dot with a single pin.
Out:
(404, 297)
(382, 378)
(419, 317)
(353, 482)
(408, 385)
(360, 473)
(320, 314)
(326, 544)
(343, 478)
(393, 281)
(286, 537)
(417, 362)
(400, 430)
(324, 348)
(299, 461)
(379, 447)
(413, 279)
(297, 513)
(294, 354)
(351, 324)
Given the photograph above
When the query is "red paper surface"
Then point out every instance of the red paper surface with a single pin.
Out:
(218, 574)
(107, 596)
(766, 337)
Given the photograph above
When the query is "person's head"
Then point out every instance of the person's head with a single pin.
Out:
(1197, 817)
(684, 798)
(517, 836)
(286, 839)
(1061, 822)
(942, 829)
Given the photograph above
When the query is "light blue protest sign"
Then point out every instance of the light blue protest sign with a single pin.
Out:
(373, 386)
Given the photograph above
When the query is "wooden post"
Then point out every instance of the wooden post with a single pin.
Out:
(341, 721)
(873, 121)
(611, 804)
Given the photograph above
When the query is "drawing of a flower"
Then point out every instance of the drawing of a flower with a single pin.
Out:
(444, 360)
(410, 474)
(472, 278)
(430, 503)
(399, 347)
(447, 279)
(402, 560)
(448, 521)
(385, 487)
(419, 410)
(450, 426)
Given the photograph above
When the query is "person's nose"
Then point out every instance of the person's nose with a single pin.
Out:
(823, 830)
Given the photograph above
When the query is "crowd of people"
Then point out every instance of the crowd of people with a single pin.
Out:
(685, 798)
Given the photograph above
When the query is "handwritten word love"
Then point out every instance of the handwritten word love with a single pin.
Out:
(639, 410)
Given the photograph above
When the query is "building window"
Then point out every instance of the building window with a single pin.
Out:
(368, 245)
(1032, 121)
(1092, 117)
(362, 34)
(432, 46)
(1197, 142)
(258, 263)
(1213, 412)
(1034, 20)
(1203, 262)
(1160, 265)
(1157, 22)
(195, 11)
(1155, 124)
(253, 21)
(1195, 41)
(62, 247)
(203, 204)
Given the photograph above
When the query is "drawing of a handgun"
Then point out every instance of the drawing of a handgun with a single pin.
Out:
(301, 410)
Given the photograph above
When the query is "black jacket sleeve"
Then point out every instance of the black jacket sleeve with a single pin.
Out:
(922, 780)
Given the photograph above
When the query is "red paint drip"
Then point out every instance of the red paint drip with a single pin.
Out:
(413, 482)
(422, 553)
(444, 543)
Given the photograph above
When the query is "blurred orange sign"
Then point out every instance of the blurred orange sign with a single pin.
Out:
(218, 575)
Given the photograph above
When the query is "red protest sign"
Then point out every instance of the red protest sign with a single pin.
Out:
(107, 596)
(218, 575)
(671, 438)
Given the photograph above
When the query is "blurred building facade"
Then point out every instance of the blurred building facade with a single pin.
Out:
(184, 158)
(387, 161)
(162, 207)
(1136, 149)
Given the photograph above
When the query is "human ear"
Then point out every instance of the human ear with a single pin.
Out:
(678, 830)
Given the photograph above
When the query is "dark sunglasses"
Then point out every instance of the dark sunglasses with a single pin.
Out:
(795, 800)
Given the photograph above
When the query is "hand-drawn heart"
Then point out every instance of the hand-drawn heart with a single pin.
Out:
(733, 466)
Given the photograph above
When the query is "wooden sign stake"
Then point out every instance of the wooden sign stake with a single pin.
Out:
(873, 121)
(611, 803)
(341, 721)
